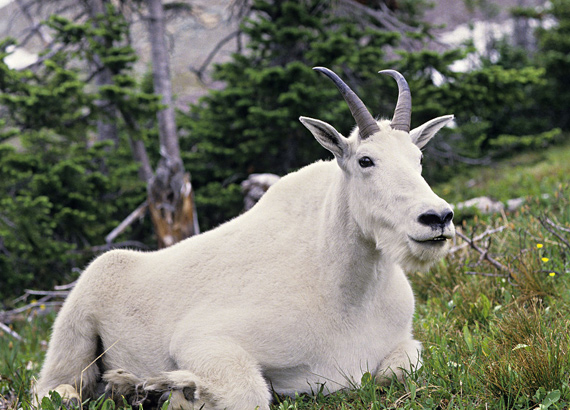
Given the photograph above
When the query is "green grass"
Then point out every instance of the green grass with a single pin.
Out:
(493, 339)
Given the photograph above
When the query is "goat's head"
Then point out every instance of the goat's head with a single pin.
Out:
(389, 200)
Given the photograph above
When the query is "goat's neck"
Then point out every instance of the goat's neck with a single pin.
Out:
(354, 267)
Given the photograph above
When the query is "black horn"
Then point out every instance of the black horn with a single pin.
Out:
(367, 125)
(403, 112)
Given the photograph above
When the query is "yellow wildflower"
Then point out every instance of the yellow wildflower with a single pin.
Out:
(545, 259)
(42, 307)
(539, 245)
(552, 274)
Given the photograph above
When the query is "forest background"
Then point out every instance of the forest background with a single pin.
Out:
(81, 145)
(88, 138)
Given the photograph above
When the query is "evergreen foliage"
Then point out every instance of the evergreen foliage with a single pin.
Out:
(61, 191)
(554, 57)
(252, 124)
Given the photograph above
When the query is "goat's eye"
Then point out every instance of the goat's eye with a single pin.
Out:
(365, 162)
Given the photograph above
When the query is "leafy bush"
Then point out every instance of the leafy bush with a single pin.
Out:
(251, 125)
(62, 190)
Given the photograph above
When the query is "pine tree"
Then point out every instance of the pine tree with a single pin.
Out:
(62, 190)
(252, 124)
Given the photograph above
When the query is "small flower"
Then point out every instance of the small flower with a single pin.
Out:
(539, 246)
(42, 307)
(545, 259)
(552, 274)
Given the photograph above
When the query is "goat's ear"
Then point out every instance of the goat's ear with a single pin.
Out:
(327, 136)
(424, 133)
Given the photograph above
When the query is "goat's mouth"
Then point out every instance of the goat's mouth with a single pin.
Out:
(437, 240)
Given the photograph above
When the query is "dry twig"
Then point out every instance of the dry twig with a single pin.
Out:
(554, 229)
(9, 331)
(477, 238)
(485, 255)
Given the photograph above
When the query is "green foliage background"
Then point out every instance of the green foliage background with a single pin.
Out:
(252, 125)
(62, 190)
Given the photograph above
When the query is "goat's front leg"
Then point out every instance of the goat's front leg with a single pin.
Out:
(229, 377)
(179, 386)
(404, 358)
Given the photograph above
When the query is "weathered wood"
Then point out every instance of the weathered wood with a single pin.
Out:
(170, 196)
(133, 216)
(172, 212)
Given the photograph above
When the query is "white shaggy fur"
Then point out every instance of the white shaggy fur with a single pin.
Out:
(306, 289)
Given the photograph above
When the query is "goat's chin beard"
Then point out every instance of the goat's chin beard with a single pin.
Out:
(409, 255)
(421, 257)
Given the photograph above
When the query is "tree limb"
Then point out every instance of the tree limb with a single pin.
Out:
(552, 228)
(485, 254)
(12, 333)
(136, 214)
(477, 238)
(200, 70)
(36, 26)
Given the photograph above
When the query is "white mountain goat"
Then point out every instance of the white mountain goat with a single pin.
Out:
(306, 289)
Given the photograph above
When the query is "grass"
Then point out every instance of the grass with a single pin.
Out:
(494, 338)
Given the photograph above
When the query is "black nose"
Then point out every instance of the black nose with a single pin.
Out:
(435, 220)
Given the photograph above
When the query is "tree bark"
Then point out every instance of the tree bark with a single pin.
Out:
(170, 194)
(106, 126)
(161, 78)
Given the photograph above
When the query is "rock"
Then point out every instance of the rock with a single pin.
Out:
(483, 204)
(486, 205)
(255, 186)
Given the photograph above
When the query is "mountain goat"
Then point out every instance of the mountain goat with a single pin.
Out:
(305, 291)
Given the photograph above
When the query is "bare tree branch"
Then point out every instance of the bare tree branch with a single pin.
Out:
(553, 229)
(12, 333)
(446, 151)
(37, 27)
(492, 275)
(485, 254)
(477, 238)
(133, 216)
(386, 18)
(200, 70)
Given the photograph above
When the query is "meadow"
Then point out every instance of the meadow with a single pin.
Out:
(493, 316)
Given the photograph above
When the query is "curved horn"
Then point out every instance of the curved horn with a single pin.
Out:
(403, 112)
(367, 125)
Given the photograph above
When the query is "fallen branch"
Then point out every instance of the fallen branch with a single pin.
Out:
(492, 275)
(477, 238)
(485, 254)
(108, 246)
(69, 286)
(9, 331)
(10, 315)
(136, 214)
(554, 228)
(60, 293)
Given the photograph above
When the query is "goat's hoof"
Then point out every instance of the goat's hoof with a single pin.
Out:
(179, 399)
(68, 394)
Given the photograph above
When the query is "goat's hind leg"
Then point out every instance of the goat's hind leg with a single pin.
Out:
(70, 367)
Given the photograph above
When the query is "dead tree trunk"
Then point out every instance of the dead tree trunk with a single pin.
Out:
(170, 195)
(106, 126)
